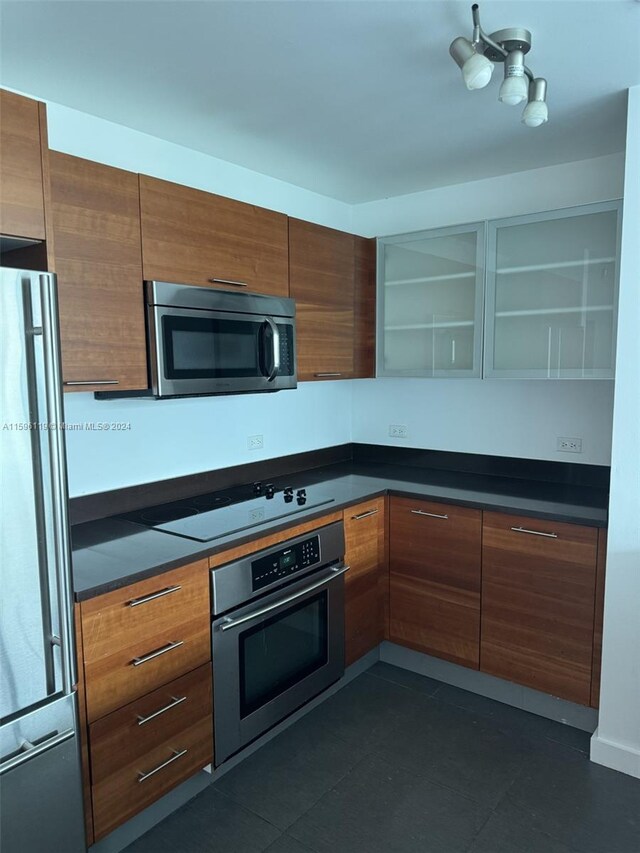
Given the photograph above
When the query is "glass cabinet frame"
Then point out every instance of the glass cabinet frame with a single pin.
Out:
(490, 371)
(475, 370)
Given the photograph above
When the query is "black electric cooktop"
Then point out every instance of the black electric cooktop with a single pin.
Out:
(218, 514)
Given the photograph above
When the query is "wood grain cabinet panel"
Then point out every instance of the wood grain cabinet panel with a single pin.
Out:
(598, 618)
(366, 582)
(365, 307)
(21, 174)
(192, 237)
(321, 280)
(145, 635)
(96, 223)
(538, 596)
(434, 579)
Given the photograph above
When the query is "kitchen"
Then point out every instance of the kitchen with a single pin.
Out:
(441, 504)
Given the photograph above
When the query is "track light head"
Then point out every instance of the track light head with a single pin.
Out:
(536, 112)
(476, 68)
(515, 86)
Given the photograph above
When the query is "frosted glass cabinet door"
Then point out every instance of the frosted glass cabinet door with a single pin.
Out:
(430, 291)
(552, 294)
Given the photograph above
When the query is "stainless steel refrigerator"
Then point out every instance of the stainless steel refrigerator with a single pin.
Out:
(40, 782)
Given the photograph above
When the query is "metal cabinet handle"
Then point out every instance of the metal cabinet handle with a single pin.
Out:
(162, 651)
(321, 375)
(364, 514)
(30, 751)
(93, 382)
(232, 623)
(534, 532)
(173, 704)
(143, 600)
(228, 281)
(430, 514)
(176, 755)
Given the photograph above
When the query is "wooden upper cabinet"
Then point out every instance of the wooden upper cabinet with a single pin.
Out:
(434, 579)
(321, 280)
(366, 582)
(96, 222)
(22, 149)
(365, 307)
(538, 598)
(194, 237)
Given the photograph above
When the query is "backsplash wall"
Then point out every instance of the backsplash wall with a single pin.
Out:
(502, 417)
(169, 438)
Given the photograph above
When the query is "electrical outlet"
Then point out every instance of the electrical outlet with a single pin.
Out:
(255, 442)
(570, 445)
(398, 431)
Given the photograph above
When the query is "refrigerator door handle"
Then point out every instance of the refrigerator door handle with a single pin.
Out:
(33, 750)
(61, 544)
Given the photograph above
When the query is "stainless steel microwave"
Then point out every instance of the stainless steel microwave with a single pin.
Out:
(208, 341)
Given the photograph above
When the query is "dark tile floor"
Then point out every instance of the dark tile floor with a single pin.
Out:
(398, 763)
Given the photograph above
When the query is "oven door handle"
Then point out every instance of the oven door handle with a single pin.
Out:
(229, 623)
(272, 371)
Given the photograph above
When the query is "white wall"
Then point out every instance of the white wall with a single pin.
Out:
(494, 416)
(616, 742)
(169, 438)
(502, 417)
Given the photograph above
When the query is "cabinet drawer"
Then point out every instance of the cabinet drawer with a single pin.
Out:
(538, 599)
(435, 570)
(140, 782)
(128, 734)
(143, 636)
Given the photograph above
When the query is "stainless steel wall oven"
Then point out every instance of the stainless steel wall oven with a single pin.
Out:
(278, 634)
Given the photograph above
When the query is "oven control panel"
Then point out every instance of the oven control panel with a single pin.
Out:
(285, 562)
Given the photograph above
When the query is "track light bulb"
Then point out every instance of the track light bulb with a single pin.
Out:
(515, 86)
(476, 68)
(536, 112)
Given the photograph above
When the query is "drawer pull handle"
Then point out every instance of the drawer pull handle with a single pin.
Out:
(168, 648)
(364, 514)
(430, 514)
(92, 382)
(323, 375)
(136, 601)
(534, 532)
(176, 701)
(228, 281)
(176, 755)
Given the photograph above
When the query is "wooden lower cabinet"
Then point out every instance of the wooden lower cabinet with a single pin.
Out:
(366, 582)
(538, 600)
(598, 618)
(434, 579)
(141, 751)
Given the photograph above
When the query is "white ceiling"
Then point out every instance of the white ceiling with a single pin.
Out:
(355, 100)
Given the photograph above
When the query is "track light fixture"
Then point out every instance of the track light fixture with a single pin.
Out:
(476, 59)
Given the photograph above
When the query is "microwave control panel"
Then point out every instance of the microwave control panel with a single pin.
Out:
(285, 562)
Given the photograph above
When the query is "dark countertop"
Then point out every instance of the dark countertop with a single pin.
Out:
(111, 553)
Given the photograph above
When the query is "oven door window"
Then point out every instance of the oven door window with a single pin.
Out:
(281, 651)
(212, 348)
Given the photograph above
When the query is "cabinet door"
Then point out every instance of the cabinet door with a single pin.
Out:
(538, 596)
(96, 221)
(194, 237)
(21, 178)
(596, 666)
(552, 294)
(366, 582)
(434, 579)
(321, 278)
(431, 294)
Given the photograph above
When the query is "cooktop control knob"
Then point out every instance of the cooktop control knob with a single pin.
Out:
(257, 488)
(269, 491)
(302, 496)
(288, 494)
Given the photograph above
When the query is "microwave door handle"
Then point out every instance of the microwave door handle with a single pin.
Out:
(275, 354)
